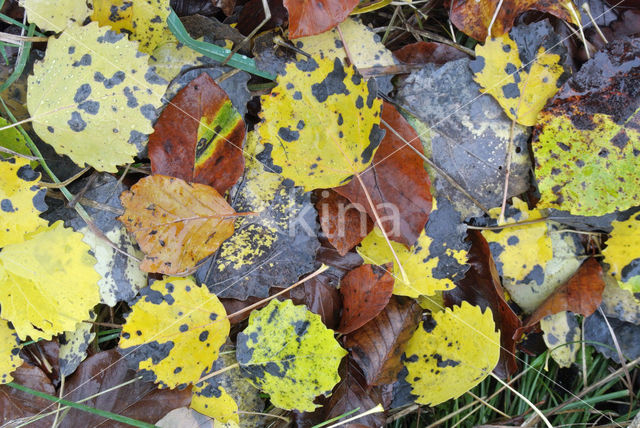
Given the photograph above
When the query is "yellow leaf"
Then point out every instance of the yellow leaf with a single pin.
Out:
(94, 100)
(561, 333)
(47, 283)
(287, 352)
(144, 20)
(320, 123)
(50, 17)
(451, 353)
(431, 265)
(521, 253)
(169, 58)
(12, 139)
(622, 253)
(175, 331)
(500, 72)
(9, 352)
(219, 405)
(21, 200)
(176, 223)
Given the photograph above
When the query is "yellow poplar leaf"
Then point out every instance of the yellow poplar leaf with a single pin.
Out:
(499, 70)
(21, 200)
(12, 139)
(221, 407)
(94, 100)
(144, 20)
(561, 333)
(171, 57)
(623, 254)
(320, 123)
(520, 252)
(430, 265)
(175, 331)
(176, 223)
(55, 16)
(9, 352)
(47, 282)
(451, 353)
(287, 352)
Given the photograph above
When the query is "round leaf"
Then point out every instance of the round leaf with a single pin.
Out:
(451, 353)
(175, 331)
(288, 353)
(50, 18)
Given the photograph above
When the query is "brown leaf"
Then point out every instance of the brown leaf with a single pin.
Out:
(473, 17)
(428, 52)
(199, 137)
(396, 181)
(352, 392)
(481, 287)
(581, 294)
(344, 225)
(320, 297)
(252, 14)
(378, 345)
(176, 224)
(226, 5)
(16, 404)
(309, 17)
(366, 290)
(138, 400)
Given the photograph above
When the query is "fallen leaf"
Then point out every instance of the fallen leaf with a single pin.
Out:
(396, 181)
(174, 337)
(16, 405)
(353, 393)
(199, 137)
(437, 260)
(21, 200)
(474, 18)
(138, 400)
(43, 290)
(288, 353)
(186, 418)
(309, 17)
(56, 18)
(469, 135)
(618, 302)
(76, 100)
(9, 352)
(586, 142)
(451, 353)
(320, 296)
(366, 290)
(12, 139)
(144, 21)
(522, 89)
(344, 224)
(621, 254)
(320, 124)
(377, 346)
(581, 294)
(165, 213)
(121, 275)
(272, 248)
(598, 335)
(428, 52)
(74, 345)
(481, 287)
(562, 335)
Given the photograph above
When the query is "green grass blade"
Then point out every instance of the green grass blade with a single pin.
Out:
(212, 51)
(22, 61)
(10, 20)
(102, 413)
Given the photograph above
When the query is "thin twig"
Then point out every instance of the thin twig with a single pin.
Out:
(65, 182)
(525, 399)
(20, 155)
(217, 372)
(493, 19)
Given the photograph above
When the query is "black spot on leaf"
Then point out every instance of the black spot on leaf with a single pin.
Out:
(333, 84)
(7, 206)
(91, 107)
(288, 134)
(82, 93)
(76, 123)
(26, 173)
(84, 61)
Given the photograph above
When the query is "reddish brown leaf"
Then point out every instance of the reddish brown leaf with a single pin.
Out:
(378, 345)
(199, 137)
(309, 17)
(320, 297)
(352, 392)
(428, 52)
(581, 294)
(396, 181)
(344, 225)
(16, 404)
(176, 224)
(366, 290)
(138, 400)
(481, 286)
(473, 17)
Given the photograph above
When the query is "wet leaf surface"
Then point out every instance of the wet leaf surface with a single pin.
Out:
(309, 17)
(343, 224)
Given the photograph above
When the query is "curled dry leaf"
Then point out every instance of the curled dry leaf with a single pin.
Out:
(366, 290)
(199, 137)
(176, 223)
